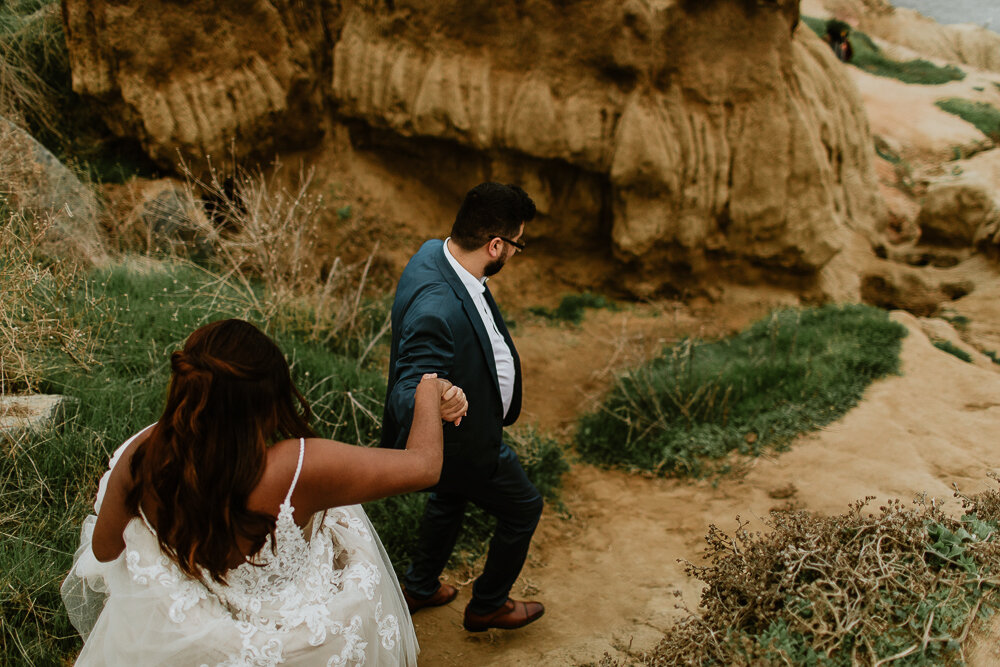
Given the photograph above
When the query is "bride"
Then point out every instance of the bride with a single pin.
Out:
(227, 533)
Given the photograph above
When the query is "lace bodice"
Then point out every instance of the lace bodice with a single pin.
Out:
(322, 591)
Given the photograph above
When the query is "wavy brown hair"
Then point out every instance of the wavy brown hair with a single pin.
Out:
(230, 397)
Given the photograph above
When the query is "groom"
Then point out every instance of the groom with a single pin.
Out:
(445, 321)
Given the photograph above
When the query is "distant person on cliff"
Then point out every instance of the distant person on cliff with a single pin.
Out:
(838, 37)
(445, 321)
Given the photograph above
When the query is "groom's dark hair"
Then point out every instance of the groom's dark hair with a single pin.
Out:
(490, 210)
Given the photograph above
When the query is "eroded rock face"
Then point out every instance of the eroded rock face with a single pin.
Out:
(190, 78)
(695, 133)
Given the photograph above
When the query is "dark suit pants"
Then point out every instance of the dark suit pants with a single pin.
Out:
(511, 498)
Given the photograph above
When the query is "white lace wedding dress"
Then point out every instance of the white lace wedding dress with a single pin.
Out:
(327, 596)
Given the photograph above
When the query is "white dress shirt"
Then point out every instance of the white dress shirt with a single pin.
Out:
(501, 353)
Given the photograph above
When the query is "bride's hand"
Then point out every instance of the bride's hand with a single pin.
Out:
(454, 404)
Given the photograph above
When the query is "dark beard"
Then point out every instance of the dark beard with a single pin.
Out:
(494, 267)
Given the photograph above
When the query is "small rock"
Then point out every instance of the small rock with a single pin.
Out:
(782, 492)
(31, 413)
(954, 212)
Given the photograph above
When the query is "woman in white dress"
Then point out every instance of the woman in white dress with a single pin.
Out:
(227, 533)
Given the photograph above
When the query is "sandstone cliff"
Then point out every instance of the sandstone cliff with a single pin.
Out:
(698, 135)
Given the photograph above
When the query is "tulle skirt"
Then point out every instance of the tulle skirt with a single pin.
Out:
(140, 609)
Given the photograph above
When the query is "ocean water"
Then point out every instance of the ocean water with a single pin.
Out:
(983, 12)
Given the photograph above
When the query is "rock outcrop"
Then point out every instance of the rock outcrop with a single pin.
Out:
(698, 135)
(953, 213)
(202, 77)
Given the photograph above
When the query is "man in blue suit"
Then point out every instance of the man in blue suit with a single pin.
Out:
(445, 321)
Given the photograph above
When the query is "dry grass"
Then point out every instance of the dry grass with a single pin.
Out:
(263, 230)
(903, 585)
(35, 332)
(29, 31)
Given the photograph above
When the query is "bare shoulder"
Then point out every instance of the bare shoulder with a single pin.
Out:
(121, 473)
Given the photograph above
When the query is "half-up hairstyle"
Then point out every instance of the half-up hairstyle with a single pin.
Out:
(230, 397)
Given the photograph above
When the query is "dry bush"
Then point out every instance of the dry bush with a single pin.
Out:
(262, 232)
(30, 39)
(36, 333)
(903, 585)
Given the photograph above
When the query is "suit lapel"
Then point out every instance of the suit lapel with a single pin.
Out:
(472, 312)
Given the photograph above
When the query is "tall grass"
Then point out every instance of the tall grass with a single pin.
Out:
(265, 228)
(36, 334)
(792, 372)
(34, 64)
(36, 92)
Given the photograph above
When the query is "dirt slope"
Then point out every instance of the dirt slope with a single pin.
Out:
(608, 573)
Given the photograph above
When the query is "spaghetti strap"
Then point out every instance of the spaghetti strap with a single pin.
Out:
(298, 469)
(142, 515)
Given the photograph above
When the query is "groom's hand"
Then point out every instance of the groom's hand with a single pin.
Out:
(454, 405)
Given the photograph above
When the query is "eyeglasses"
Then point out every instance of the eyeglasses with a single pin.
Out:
(519, 246)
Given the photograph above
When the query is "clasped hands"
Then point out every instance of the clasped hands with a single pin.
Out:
(454, 405)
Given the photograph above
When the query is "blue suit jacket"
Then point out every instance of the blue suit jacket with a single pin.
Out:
(436, 328)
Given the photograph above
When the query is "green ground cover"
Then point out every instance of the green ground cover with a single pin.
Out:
(572, 307)
(983, 115)
(789, 373)
(952, 349)
(869, 57)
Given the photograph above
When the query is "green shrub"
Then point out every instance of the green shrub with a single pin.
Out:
(983, 115)
(952, 349)
(397, 518)
(572, 306)
(956, 320)
(903, 585)
(792, 372)
(869, 57)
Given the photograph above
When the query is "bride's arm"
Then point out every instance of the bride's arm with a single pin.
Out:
(334, 473)
(113, 516)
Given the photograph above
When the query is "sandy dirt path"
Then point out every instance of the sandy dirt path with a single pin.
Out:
(608, 573)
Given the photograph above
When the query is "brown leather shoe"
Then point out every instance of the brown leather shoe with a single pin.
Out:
(442, 595)
(513, 614)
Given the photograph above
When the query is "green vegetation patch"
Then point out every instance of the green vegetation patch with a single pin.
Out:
(952, 349)
(983, 115)
(869, 57)
(903, 586)
(572, 307)
(790, 373)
